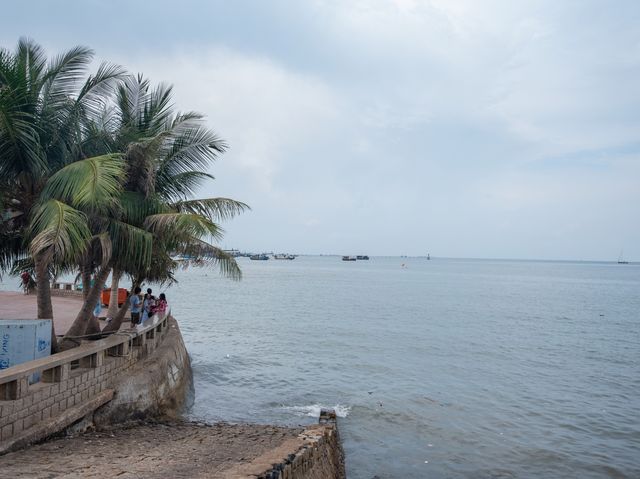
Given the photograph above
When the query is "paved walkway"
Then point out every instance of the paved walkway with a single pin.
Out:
(172, 450)
(21, 306)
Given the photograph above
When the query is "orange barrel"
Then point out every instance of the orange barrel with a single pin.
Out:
(122, 296)
(105, 297)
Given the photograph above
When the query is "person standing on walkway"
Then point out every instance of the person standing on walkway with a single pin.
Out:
(136, 306)
(161, 305)
(26, 280)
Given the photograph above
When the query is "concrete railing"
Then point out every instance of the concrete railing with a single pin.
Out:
(65, 289)
(70, 382)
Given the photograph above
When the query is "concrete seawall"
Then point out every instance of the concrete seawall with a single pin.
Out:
(159, 386)
(96, 376)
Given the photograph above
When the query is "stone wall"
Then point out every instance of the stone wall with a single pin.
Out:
(76, 383)
(316, 454)
(161, 385)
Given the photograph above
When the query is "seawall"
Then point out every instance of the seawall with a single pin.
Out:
(131, 374)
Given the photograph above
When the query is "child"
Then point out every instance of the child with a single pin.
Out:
(161, 305)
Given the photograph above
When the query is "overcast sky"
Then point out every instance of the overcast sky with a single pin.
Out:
(461, 128)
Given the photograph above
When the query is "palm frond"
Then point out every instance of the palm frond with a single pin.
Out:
(183, 224)
(132, 246)
(31, 62)
(180, 186)
(12, 249)
(194, 148)
(58, 230)
(94, 183)
(210, 255)
(135, 207)
(98, 88)
(216, 209)
(64, 75)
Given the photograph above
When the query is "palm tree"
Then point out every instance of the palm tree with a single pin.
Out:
(164, 153)
(42, 104)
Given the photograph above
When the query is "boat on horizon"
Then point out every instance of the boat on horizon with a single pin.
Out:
(348, 258)
(363, 257)
(284, 256)
(621, 259)
(259, 257)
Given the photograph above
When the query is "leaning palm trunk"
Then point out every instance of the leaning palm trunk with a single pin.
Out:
(79, 326)
(86, 279)
(93, 326)
(118, 319)
(113, 300)
(43, 295)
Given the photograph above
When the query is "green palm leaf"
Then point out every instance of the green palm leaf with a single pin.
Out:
(208, 254)
(94, 183)
(193, 225)
(58, 230)
(217, 209)
(132, 246)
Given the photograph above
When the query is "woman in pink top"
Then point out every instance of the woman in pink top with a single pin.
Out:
(161, 304)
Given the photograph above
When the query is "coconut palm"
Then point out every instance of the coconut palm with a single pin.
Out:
(164, 153)
(42, 104)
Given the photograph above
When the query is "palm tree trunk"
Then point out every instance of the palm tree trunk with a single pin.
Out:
(85, 271)
(113, 300)
(93, 325)
(43, 295)
(79, 325)
(117, 320)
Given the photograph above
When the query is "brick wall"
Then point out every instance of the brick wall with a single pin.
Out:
(68, 392)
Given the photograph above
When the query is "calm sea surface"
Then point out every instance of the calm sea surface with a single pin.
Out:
(481, 368)
(441, 368)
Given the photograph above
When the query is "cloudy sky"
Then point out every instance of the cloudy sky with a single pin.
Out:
(462, 128)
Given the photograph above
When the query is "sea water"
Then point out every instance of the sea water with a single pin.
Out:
(441, 368)
(437, 369)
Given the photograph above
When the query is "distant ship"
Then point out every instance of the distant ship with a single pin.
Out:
(348, 258)
(259, 257)
(428, 257)
(284, 256)
(364, 257)
(621, 259)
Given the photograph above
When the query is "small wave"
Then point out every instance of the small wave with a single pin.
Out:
(314, 410)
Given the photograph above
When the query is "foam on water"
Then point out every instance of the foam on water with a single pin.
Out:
(313, 410)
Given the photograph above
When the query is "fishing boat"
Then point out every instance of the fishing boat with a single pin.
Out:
(259, 257)
(348, 258)
(284, 256)
(621, 259)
